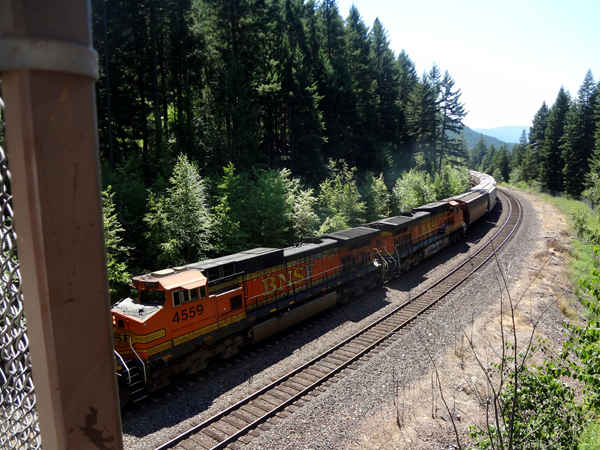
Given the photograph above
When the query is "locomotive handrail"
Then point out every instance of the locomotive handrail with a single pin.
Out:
(123, 362)
(140, 359)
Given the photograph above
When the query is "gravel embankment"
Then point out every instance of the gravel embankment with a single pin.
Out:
(360, 410)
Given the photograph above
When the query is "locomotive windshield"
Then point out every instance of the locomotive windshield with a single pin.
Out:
(154, 298)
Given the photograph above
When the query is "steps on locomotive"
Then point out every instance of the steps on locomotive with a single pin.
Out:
(137, 390)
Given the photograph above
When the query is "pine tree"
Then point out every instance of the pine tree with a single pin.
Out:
(500, 164)
(180, 223)
(516, 158)
(537, 135)
(452, 112)
(363, 145)
(386, 79)
(578, 140)
(116, 252)
(423, 115)
(550, 155)
(593, 177)
(478, 152)
(336, 83)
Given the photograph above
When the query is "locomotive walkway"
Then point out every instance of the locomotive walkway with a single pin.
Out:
(237, 424)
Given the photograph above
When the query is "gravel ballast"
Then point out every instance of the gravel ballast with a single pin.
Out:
(389, 401)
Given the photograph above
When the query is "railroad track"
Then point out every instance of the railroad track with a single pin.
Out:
(243, 420)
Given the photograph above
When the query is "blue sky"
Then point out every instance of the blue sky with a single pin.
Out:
(506, 56)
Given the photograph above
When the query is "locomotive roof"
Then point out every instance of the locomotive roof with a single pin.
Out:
(247, 261)
(353, 235)
(170, 279)
(397, 222)
(434, 207)
(308, 248)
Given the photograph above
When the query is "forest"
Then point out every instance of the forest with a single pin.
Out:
(561, 152)
(226, 125)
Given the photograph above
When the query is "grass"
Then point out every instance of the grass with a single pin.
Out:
(582, 253)
(589, 440)
(581, 262)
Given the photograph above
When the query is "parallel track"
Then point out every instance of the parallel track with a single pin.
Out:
(240, 421)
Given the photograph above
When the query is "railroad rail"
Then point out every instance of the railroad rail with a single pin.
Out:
(240, 421)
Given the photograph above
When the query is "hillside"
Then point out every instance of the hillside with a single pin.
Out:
(472, 137)
(506, 134)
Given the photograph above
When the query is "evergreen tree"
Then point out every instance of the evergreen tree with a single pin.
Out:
(593, 178)
(229, 213)
(478, 152)
(452, 112)
(537, 136)
(335, 83)
(487, 163)
(408, 81)
(363, 145)
(423, 115)
(116, 252)
(578, 141)
(179, 223)
(386, 79)
(550, 155)
(516, 155)
(500, 164)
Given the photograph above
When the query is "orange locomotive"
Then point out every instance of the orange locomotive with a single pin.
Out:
(184, 317)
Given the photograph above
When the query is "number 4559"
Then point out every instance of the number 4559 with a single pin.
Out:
(188, 313)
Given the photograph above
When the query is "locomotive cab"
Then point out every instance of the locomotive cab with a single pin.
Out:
(166, 300)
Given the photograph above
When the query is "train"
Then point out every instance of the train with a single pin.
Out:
(182, 318)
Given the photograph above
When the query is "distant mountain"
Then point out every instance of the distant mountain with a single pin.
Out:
(506, 134)
(472, 137)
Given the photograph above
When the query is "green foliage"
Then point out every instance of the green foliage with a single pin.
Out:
(593, 187)
(580, 223)
(228, 213)
(276, 202)
(340, 199)
(180, 222)
(413, 189)
(451, 181)
(578, 139)
(537, 409)
(515, 176)
(274, 210)
(116, 253)
(377, 198)
(538, 406)
(552, 161)
(417, 187)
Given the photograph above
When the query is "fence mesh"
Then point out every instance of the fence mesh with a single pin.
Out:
(19, 427)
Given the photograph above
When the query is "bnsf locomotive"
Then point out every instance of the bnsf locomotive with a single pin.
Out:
(184, 317)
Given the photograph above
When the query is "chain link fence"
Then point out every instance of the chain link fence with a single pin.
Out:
(19, 426)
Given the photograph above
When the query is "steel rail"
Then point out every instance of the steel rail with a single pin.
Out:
(425, 305)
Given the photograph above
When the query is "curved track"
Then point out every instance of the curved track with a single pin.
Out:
(241, 421)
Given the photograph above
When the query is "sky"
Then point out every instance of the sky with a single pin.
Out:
(506, 56)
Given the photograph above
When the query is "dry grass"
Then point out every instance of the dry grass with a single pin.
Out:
(557, 246)
(565, 307)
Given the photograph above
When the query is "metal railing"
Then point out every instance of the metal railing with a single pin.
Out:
(19, 427)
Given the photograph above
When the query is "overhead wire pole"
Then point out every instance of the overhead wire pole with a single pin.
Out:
(48, 69)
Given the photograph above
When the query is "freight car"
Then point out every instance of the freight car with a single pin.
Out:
(184, 317)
